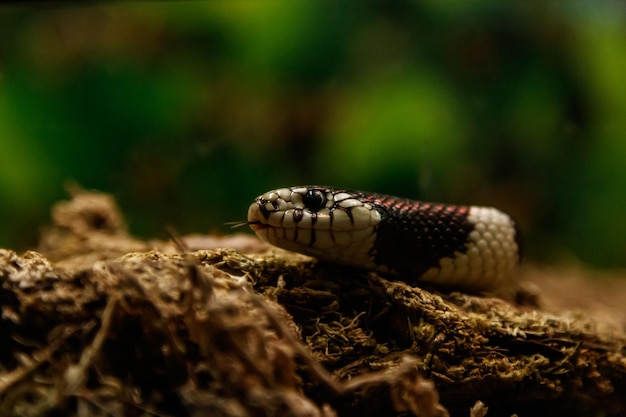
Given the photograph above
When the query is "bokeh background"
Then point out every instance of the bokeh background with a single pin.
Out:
(185, 111)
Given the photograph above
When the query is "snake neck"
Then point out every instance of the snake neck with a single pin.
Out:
(413, 237)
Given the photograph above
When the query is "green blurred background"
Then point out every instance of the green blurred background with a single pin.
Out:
(186, 111)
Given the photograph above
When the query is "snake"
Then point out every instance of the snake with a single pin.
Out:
(471, 248)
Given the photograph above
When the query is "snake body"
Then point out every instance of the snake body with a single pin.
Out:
(466, 247)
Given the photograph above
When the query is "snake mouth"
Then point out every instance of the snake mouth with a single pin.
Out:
(257, 225)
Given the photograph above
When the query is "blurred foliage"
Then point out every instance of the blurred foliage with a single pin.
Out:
(186, 111)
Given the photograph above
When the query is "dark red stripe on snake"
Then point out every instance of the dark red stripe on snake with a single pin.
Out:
(413, 236)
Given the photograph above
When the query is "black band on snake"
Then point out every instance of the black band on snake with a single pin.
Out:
(465, 247)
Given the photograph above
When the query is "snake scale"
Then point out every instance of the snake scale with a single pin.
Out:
(465, 247)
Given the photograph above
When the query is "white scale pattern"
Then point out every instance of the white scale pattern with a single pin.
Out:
(492, 255)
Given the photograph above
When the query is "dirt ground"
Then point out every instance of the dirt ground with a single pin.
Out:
(98, 323)
(600, 295)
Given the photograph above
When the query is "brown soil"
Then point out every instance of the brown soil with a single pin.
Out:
(99, 323)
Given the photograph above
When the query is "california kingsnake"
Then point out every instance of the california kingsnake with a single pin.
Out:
(465, 247)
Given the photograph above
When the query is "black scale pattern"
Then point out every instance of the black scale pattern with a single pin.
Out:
(413, 236)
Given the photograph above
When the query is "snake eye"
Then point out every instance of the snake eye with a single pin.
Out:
(314, 200)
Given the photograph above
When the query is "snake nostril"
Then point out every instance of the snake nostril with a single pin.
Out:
(262, 204)
(267, 206)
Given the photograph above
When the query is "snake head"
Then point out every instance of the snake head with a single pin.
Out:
(318, 221)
